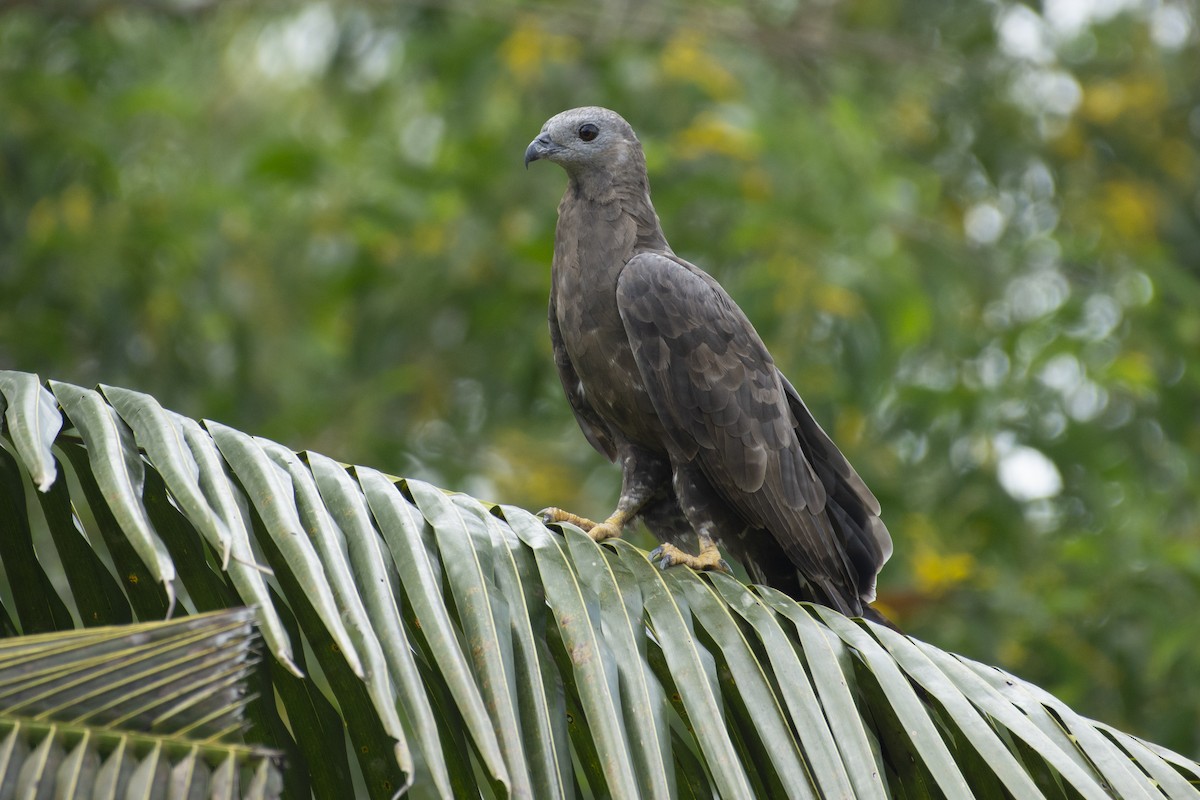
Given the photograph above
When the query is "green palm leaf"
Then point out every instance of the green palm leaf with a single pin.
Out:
(470, 651)
(147, 710)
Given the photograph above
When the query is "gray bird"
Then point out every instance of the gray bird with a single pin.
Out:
(667, 377)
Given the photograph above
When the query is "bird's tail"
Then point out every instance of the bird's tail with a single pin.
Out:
(826, 594)
(874, 615)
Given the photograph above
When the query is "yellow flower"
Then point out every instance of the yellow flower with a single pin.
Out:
(1131, 208)
(838, 300)
(711, 134)
(77, 208)
(688, 59)
(42, 220)
(530, 47)
(937, 572)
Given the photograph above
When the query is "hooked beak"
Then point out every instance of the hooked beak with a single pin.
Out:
(539, 148)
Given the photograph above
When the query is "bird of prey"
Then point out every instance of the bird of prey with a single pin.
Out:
(667, 376)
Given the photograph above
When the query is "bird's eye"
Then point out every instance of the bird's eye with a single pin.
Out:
(588, 131)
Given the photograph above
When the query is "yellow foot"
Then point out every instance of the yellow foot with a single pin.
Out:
(553, 514)
(599, 531)
(668, 555)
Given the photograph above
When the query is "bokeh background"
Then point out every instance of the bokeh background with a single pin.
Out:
(969, 232)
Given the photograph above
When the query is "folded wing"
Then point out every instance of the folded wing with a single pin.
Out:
(725, 407)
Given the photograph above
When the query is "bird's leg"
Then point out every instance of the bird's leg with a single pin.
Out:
(627, 508)
(709, 557)
(642, 475)
(695, 497)
(599, 531)
(555, 514)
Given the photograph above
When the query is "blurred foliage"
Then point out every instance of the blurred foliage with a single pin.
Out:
(970, 234)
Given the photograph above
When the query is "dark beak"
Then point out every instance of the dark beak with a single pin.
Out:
(538, 148)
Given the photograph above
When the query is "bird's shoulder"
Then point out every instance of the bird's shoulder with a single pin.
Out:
(674, 297)
(704, 365)
(663, 270)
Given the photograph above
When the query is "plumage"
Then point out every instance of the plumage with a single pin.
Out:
(667, 377)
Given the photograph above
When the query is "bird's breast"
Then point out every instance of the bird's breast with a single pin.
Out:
(593, 242)
(599, 350)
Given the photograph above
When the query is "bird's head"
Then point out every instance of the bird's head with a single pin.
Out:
(586, 139)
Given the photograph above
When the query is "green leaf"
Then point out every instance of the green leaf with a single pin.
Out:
(360, 720)
(832, 685)
(482, 613)
(1116, 769)
(165, 447)
(401, 523)
(118, 471)
(148, 598)
(271, 492)
(98, 597)
(1067, 762)
(369, 563)
(543, 732)
(119, 711)
(200, 575)
(669, 619)
(908, 708)
(243, 569)
(33, 422)
(816, 738)
(330, 544)
(466, 650)
(313, 721)
(38, 605)
(620, 607)
(594, 669)
(770, 728)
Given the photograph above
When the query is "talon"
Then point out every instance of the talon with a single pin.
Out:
(553, 514)
(604, 530)
(665, 555)
(668, 555)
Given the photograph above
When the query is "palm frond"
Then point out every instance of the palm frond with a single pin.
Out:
(470, 651)
(147, 710)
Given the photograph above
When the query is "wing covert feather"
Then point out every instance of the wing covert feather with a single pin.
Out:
(725, 405)
(709, 378)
